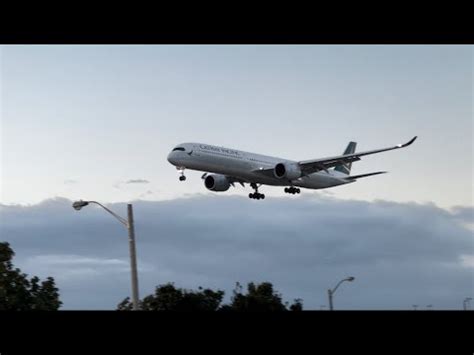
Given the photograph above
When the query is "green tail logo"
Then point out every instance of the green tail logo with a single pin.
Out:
(346, 168)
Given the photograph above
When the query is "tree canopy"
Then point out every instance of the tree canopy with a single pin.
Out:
(169, 298)
(17, 292)
(259, 297)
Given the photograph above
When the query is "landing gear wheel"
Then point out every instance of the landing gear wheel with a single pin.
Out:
(292, 190)
(256, 195)
(181, 171)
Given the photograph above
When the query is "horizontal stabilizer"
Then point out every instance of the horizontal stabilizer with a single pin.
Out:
(354, 177)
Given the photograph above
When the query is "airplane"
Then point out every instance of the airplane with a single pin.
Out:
(230, 166)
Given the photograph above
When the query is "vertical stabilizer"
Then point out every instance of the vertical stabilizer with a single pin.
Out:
(346, 168)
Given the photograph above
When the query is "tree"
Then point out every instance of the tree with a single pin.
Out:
(169, 298)
(260, 297)
(125, 305)
(17, 292)
(297, 305)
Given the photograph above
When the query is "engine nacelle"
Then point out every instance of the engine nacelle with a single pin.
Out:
(287, 171)
(216, 182)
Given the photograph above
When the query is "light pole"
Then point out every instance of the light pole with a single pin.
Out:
(331, 292)
(129, 224)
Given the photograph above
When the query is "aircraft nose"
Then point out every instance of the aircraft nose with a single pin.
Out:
(171, 158)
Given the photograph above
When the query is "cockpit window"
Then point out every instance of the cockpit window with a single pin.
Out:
(179, 148)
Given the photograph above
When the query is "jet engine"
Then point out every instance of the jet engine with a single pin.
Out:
(216, 182)
(287, 171)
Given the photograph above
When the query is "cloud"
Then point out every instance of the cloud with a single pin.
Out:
(468, 260)
(465, 214)
(117, 185)
(70, 181)
(400, 253)
(74, 267)
(146, 193)
(70, 265)
(137, 181)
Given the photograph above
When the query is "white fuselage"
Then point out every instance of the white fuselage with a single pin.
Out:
(245, 166)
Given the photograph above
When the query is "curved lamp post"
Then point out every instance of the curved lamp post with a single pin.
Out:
(128, 223)
(331, 292)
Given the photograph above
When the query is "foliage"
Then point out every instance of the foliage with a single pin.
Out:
(259, 297)
(17, 292)
(169, 298)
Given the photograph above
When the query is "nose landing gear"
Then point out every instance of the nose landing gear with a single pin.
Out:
(181, 170)
(256, 195)
(292, 190)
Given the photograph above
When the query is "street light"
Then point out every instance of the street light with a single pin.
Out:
(331, 292)
(128, 223)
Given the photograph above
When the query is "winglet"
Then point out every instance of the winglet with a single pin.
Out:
(408, 143)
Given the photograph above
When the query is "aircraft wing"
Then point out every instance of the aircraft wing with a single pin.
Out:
(312, 166)
(233, 179)
(264, 172)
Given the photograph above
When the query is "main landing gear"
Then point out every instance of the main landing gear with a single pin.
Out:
(256, 195)
(292, 190)
(182, 177)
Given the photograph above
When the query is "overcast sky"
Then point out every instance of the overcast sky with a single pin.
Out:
(97, 122)
(400, 253)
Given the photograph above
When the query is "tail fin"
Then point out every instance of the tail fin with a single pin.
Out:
(346, 168)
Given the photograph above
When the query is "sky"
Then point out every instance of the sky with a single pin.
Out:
(400, 254)
(80, 121)
(97, 122)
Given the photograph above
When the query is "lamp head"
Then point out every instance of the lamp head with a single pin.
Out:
(79, 204)
(350, 278)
